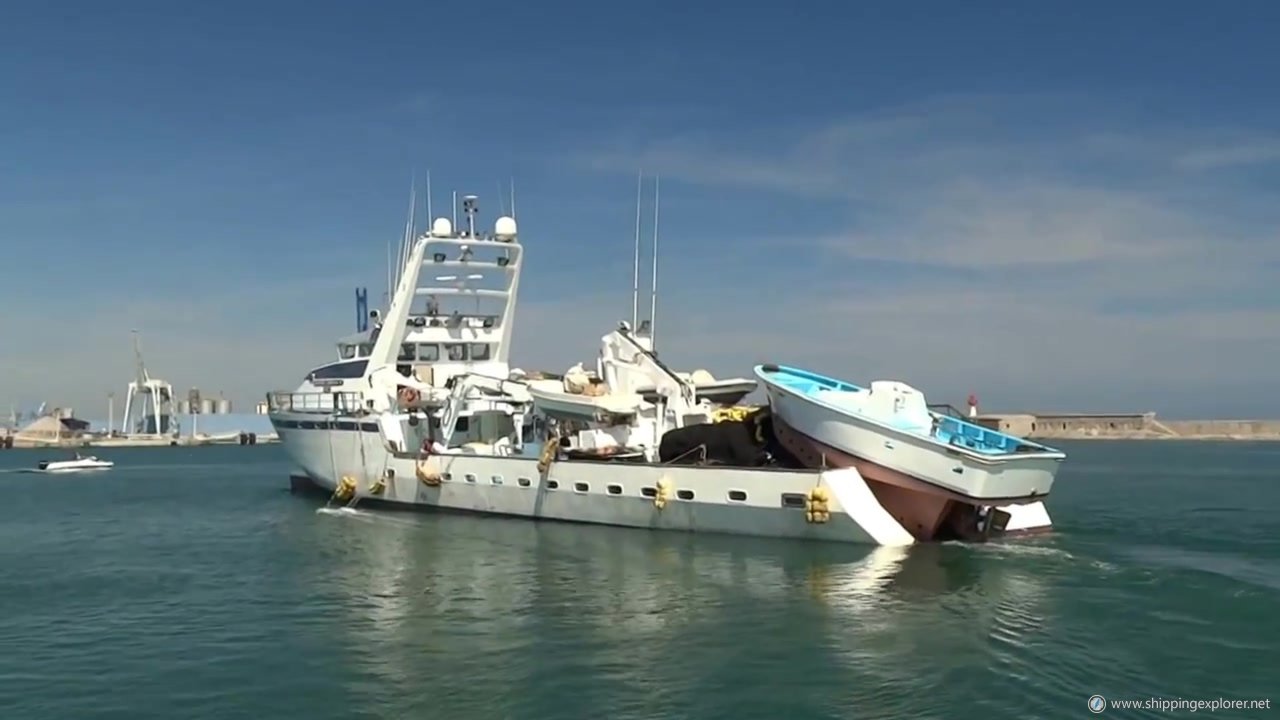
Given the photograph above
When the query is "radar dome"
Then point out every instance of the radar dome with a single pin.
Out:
(504, 227)
(442, 227)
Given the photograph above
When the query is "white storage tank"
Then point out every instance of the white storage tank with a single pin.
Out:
(206, 406)
(224, 406)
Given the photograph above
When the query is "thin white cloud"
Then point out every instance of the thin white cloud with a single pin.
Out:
(976, 223)
(1065, 270)
(1258, 152)
(1016, 349)
(1071, 268)
(232, 342)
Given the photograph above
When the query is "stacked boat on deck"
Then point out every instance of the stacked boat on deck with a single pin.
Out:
(425, 411)
(938, 475)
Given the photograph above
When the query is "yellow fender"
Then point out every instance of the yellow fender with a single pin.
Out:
(428, 475)
(816, 509)
(346, 488)
(548, 455)
(736, 413)
(664, 492)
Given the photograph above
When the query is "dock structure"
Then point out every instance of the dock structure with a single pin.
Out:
(56, 428)
(44, 437)
(1126, 426)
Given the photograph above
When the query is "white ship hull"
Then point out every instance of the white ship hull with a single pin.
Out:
(738, 501)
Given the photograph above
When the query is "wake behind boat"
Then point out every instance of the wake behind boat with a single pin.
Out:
(929, 470)
(77, 464)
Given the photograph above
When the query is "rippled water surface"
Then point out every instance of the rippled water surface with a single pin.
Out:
(188, 583)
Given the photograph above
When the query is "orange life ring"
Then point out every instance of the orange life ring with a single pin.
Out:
(408, 396)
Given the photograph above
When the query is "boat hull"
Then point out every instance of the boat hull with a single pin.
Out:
(760, 502)
(903, 458)
(74, 466)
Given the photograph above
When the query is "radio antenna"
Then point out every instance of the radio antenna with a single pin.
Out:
(653, 296)
(635, 274)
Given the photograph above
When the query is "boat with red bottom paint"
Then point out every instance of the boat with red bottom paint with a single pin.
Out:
(939, 476)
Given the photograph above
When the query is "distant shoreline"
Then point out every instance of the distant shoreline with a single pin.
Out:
(1160, 438)
(1127, 426)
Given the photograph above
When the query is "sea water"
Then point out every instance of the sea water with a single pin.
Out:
(189, 583)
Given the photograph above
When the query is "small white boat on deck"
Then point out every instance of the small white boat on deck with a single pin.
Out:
(76, 465)
(582, 396)
(923, 465)
(724, 392)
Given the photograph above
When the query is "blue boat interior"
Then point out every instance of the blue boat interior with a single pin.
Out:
(946, 430)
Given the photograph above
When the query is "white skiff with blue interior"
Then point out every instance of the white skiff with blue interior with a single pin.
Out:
(890, 426)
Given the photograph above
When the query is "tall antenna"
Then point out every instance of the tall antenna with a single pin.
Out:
(513, 197)
(408, 239)
(393, 278)
(635, 274)
(653, 297)
(413, 230)
(430, 218)
(455, 212)
(502, 202)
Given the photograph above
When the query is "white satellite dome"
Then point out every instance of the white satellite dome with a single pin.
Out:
(441, 227)
(504, 227)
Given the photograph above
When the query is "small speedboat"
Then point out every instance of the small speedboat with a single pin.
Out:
(76, 465)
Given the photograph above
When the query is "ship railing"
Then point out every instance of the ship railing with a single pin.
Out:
(947, 409)
(324, 403)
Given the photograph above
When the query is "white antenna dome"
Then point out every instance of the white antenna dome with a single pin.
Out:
(504, 227)
(442, 227)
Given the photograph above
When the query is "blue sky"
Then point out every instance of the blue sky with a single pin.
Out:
(1063, 206)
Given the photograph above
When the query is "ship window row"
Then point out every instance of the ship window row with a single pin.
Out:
(454, 320)
(734, 496)
(451, 352)
(425, 352)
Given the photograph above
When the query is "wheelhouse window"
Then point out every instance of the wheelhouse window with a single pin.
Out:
(428, 352)
(456, 352)
(407, 353)
(339, 371)
(480, 351)
(366, 349)
(346, 351)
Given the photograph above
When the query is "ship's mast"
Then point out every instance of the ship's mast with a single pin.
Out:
(635, 273)
(653, 294)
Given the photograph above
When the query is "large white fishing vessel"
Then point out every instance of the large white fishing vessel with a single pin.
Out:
(426, 412)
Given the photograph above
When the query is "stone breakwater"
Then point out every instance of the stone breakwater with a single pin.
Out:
(1127, 426)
